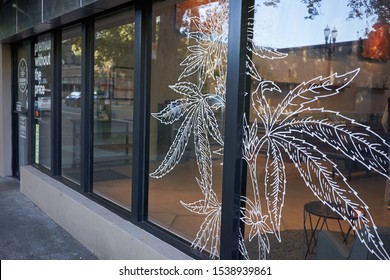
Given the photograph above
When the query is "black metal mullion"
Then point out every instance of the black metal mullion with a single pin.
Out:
(142, 70)
(233, 165)
(15, 118)
(87, 72)
(30, 112)
(56, 105)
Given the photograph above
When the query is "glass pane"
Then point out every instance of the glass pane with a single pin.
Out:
(29, 13)
(186, 130)
(86, 2)
(21, 98)
(113, 108)
(71, 98)
(54, 8)
(42, 100)
(314, 140)
(8, 20)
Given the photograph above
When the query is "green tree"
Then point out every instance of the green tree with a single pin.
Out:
(114, 48)
(358, 9)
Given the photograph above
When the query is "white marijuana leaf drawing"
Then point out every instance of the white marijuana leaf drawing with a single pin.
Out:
(279, 135)
(282, 135)
(207, 60)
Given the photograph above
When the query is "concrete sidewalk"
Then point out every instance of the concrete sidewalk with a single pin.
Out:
(26, 233)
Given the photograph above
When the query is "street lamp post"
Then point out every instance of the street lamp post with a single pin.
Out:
(330, 39)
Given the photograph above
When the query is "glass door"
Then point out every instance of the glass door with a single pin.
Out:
(21, 106)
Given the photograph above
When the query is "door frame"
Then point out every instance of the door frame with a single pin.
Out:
(16, 112)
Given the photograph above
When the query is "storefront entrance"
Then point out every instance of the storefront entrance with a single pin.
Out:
(134, 108)
(20, 105)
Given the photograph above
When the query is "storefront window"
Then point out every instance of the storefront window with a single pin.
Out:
(113, 107)
(22, 106)
(71, 104)
(188, 80)
(42, 100)
(313, 79)
(319, 86)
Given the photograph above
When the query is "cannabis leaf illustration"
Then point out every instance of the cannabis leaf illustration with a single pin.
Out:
(289, 132)
(259, 228)
(198, 117)
(209, 231)
(207, 57)
(283, 130)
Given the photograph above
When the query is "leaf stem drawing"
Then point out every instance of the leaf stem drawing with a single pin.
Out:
(291, 132)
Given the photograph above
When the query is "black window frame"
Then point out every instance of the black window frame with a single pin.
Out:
(236, 104)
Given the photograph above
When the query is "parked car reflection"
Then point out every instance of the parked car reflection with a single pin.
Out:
(73, 99)
(44, 103)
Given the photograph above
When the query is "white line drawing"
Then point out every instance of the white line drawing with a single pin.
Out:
(282, 130)
(278, 135)
(206, 61)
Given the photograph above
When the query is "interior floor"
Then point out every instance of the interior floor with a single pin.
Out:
(167, 194)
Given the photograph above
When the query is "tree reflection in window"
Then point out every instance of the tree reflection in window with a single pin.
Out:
(207, 60)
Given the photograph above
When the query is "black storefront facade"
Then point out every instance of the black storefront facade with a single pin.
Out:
(199, 129)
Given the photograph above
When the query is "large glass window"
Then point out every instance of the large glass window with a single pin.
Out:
(113, 107)
(315, 130)
(42, 100)
(22, 106)
(71, 101)
(314, 140)
(188, 106)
